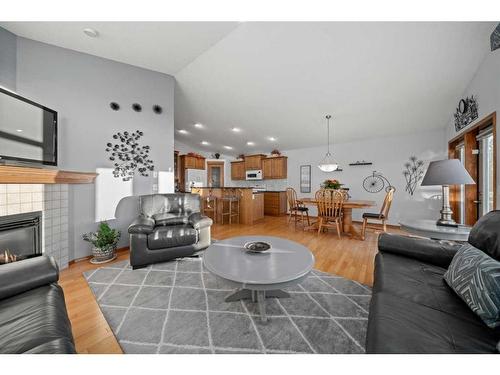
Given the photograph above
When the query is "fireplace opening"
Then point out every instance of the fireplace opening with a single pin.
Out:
(20, 236)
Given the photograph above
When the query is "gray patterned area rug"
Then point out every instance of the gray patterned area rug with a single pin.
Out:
(178, 307)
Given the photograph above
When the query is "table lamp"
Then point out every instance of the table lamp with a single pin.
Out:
(445, 173)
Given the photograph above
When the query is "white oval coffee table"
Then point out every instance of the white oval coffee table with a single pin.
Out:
(259, 275)
(428, 228)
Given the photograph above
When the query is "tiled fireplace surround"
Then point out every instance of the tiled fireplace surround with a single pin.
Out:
(52, 200)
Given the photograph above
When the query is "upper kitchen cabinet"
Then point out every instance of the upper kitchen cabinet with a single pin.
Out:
(275, 167)
(238, 170)
(192, 162)
(253, 162)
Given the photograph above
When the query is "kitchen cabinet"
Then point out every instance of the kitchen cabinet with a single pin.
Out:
(275, 167)
(238, 170)
(253, 162)
(192, 162)
(275, 203)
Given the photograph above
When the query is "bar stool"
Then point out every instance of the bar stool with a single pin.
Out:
(209, 205)
(230, 200)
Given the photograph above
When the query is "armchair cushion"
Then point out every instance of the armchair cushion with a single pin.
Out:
(373, 215)
(485, 234)
(141, 225)
(19, 277)
(172, 236)
(170, 218)
(438, 253)
(198, 221)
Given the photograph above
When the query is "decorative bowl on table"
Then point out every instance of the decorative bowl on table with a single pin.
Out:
(256, 246)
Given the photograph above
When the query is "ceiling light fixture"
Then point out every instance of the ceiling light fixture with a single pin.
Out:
(272, 139)
(250, 143)
(198, 125)
(205, 143)
(236, 130)
(182, 131)
(228, 147)
(91, 32)
(19, 130)
(328, 164)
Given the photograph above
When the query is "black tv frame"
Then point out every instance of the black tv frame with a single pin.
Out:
(43, 162)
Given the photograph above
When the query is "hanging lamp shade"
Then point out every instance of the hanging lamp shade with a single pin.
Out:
(328, 163)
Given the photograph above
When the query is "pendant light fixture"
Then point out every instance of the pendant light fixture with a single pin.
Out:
(328, 164)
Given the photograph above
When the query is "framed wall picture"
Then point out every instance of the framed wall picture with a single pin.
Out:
(305, 178)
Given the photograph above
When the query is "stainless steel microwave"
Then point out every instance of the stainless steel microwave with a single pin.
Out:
(254, 175)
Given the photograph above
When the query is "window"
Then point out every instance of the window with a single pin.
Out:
(460, 153)
(486, 165)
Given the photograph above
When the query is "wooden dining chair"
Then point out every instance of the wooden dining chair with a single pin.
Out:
(382, 216)
(330, 204)
(296, 207)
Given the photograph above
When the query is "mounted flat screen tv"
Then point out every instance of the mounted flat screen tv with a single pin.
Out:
(28, 131)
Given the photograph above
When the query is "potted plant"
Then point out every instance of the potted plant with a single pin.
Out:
(275, 152)
(331, 184)
(103, 242)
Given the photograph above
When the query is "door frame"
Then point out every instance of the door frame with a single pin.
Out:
(211, 163)
(472, 165)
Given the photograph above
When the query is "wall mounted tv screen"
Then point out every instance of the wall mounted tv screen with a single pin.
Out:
(28, 130)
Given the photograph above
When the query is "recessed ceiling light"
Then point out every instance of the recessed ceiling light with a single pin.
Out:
(91, 32)
(272, 139)
(228, 147)
(236, 130)
(205, 143)
(198, 125)
(182, 131)
(250, 143)
(19, 130)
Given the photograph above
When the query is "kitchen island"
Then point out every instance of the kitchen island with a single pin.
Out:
(251, 203)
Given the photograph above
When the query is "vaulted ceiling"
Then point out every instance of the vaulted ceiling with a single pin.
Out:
(280, 79)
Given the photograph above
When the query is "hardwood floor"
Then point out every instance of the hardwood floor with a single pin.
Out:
(347, 257)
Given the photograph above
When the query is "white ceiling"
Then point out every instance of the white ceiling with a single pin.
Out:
(281, 79)
(161, 46)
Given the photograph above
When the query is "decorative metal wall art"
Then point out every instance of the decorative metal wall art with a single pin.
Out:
(413, 172)
(114, 106)
(466, 112)
(137, 107)
(376, 182)
(362, 162)
(157, 109)
(128, 155)
(495, 38)
(305, 178)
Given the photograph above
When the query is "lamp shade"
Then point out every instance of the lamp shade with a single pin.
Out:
(446, 172)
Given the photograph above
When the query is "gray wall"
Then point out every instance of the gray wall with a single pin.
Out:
(7, 59)
(485, 86)
(80, 87)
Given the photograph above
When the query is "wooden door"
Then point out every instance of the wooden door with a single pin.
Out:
(215, 174)
(267, 168)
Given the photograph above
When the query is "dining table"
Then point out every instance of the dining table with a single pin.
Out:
(347, 207)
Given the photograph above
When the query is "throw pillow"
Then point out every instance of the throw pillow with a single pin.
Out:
(485, 234)
(475, 277)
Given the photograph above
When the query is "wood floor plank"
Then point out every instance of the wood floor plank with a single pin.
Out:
(347, 257)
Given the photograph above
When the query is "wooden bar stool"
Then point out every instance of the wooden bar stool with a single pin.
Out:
(209, 207)
(230, 205)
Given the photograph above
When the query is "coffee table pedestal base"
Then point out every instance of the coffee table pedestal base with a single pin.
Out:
(259, 296)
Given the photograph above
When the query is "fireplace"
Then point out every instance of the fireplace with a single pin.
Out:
(20, 236)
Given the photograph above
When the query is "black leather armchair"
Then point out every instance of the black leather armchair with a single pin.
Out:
(413, 310)
(33, 317)
(168, 226)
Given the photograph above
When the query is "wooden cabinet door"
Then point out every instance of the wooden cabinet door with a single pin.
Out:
(253, 162)
(279, 167)
(238, 170)
(200, 163)
(267, 168)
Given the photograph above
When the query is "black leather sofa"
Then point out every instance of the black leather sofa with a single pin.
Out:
(169, 226)
(33, 317)
(413, 310)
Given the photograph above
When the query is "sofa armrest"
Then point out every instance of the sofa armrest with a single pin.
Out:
(198, 221)
(142, 225)
(439, 253)
(19, 277)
